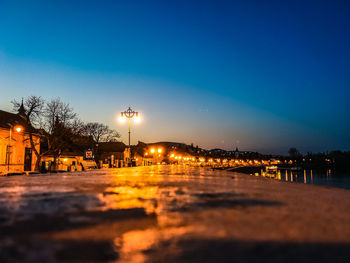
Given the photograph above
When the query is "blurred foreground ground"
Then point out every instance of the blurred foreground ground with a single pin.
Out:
(170, 214)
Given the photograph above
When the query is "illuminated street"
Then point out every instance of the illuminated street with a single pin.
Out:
(170, 214)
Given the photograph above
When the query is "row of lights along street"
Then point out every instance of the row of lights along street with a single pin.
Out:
(158, 155)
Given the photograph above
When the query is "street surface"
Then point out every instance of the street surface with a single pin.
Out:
(170, 214)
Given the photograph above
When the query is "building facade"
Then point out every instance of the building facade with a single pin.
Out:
(16, 153)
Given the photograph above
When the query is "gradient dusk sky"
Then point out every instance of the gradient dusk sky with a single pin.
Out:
(261, 75)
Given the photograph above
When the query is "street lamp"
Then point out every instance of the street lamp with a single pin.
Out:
(129, 113)
(18, 129)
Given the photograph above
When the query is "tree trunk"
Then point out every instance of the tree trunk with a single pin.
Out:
(55, 159)
(37, 163)
(37, 154)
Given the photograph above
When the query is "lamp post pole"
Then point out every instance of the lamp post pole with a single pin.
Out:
(18, 129)
(9, 151)
(129, 113)
(129, 131)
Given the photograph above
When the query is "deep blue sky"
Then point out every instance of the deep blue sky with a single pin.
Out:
(260, 75)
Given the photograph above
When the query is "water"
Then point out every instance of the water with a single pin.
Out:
(326, 177)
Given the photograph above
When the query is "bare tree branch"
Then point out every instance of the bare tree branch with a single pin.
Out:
(100, 132)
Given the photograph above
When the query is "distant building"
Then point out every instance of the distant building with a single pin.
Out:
(16, 153)
(113, 154)
(139, 157)
(236, 153)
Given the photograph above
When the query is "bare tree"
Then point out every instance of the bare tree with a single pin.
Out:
(58, 127)
(56, 109)
(33, 110)
(78, 127)
(52, 121)
(100, 132)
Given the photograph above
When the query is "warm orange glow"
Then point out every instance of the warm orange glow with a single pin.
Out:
(159, 150)
(18, 128)
(130, 197)
(122, 118)
(137, 119)
(172, 155)
(152, 150)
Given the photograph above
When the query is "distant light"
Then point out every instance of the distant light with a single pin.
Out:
(159, 150)
(137, 118)
(18, 128)
(65, 159)
(122, 118)
(152, 150)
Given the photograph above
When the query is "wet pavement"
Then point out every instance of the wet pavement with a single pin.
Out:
(170, 214)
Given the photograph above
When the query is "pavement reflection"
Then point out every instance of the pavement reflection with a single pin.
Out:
(168, 214)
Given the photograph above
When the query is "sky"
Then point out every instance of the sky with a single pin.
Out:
(258, 75)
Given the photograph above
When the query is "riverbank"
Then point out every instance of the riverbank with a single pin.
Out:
(325, 177)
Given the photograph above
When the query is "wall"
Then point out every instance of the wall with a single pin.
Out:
(19, 142)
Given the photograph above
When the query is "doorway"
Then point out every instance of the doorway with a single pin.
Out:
(28, 159)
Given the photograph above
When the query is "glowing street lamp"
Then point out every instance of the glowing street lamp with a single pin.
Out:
(129, 114)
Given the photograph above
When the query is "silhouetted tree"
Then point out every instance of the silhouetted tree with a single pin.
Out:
(52, 121)
(100, 132)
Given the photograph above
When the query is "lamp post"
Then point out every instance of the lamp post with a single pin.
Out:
(129, 113)
(18, 128)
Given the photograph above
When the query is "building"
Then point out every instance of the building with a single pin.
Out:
(16, 153)
(67, 161)
(112, 154)
(139, 157)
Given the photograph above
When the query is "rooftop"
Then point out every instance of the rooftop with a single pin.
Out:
(8, 118)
